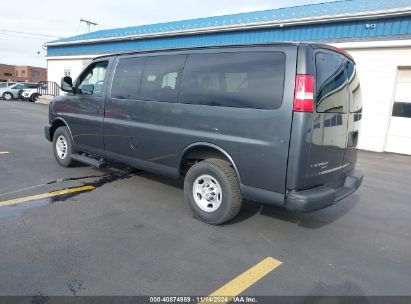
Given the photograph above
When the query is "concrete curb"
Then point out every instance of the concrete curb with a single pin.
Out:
(44, 99)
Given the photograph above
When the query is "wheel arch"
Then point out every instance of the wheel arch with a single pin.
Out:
(203, 150)
(57, 123)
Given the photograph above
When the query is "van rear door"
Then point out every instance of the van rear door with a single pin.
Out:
(330, 120)
(323, 141)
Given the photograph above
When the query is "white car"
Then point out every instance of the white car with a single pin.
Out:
(14, 91)
(30, 94)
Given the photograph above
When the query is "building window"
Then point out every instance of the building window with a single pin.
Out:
(8, 74)
(35, 74)
(17, 73)
(402, 98)
(23, 72)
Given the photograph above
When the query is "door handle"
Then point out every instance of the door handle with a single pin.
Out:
(352, 139)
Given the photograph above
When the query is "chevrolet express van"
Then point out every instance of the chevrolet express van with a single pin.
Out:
(276, 123)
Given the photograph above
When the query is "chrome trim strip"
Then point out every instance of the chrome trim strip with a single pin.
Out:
(334, 169)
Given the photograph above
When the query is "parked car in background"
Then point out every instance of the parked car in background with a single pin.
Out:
(30, 94)
(14, 91)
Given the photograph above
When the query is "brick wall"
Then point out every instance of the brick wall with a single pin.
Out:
(22, 73)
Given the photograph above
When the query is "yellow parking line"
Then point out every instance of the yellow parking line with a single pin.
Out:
(44, 195)
(4, 152)
(245, 280)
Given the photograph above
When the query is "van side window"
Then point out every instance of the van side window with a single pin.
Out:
(127, 78)
(161, 77)
(92, 82)
(241, 80)
(331, 83)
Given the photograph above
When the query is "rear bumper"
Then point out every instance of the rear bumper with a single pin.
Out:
(47, 133)
(323, 196)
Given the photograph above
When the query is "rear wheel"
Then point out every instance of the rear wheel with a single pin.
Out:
(7, 96)
(212, 191)
(63, 147)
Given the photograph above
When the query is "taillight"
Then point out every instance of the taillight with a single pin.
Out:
(304, 93)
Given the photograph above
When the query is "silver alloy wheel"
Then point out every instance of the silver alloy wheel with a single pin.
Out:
(8, 96)
(207, 193)
(61, 147)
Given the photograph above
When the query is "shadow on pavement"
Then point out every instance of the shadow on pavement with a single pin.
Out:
(316, 219)
(249, 209)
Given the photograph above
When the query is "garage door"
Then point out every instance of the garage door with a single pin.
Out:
(399, 133)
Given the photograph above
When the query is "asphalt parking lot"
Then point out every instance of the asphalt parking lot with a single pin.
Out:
(132, 234)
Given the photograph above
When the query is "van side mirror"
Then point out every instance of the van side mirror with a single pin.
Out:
(66, 84)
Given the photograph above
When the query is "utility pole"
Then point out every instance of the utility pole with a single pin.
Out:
(88, 22)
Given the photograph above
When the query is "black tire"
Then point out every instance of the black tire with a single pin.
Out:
(226, 177)
(7, 96)
(34, 97)
(63, 160)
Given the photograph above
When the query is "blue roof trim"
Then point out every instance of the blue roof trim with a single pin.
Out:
(348, 7)
(354, 30)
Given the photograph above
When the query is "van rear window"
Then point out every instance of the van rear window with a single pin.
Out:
(331, 83)
(241, 80)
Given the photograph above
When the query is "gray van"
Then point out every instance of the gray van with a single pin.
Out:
(275, 123)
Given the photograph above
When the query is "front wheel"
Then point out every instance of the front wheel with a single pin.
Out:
(63, 147)
(212, 191)
(7, 96)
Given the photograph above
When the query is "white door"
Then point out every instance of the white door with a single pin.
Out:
(399, 133)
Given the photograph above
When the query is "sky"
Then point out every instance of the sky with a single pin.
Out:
(55, 19)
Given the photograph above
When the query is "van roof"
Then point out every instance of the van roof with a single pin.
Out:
(313, 45)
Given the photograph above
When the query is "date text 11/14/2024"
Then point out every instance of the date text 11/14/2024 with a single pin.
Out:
(207, 299)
